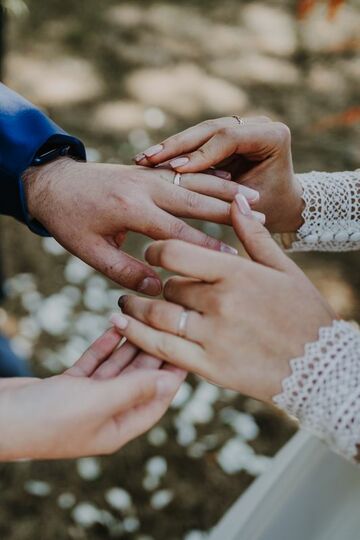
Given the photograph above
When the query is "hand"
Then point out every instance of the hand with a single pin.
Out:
(89, 208)
(246, 318)
(110, 396)
(257, 154)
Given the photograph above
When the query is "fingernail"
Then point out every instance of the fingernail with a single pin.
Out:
(223, 174)
(179, 162)
(119, 321)
(243, 205)
(224, 248)
(121, 301)
(153, 150)
(150, 286)
(250, 194)
(165, 386)
(259, 216)
(139, 157)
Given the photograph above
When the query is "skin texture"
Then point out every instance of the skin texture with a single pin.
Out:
(89, 208)
(110, 396)
(247, 318)
(257, 154)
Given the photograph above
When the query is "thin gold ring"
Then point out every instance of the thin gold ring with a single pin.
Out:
(183, 323)
(239, 120)
(177, 179)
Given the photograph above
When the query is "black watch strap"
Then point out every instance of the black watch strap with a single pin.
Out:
(50, 154)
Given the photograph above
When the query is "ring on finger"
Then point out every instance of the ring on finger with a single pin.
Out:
(177, 179)
(182, 325)
(239, 120)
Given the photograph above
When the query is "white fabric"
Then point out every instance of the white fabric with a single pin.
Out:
(332, 212)
(323, 390)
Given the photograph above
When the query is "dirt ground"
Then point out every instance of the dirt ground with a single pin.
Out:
(122, 75)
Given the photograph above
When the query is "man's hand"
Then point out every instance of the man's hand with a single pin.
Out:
(109, 397)
(90, 207)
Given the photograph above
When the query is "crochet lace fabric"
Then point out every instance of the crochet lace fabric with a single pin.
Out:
(323, 391)
(332, 212)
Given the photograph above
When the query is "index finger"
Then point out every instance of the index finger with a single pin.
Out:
(189, 260)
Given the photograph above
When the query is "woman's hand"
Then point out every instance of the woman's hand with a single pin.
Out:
(256, 153)
(110, 396)
(246, 318)
(89, 208)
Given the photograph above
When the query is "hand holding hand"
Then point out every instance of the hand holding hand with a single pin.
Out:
(89, 208)
(246, 318)
(110, 396)
(256, 153)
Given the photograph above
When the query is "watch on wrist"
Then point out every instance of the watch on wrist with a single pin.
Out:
(46, 154)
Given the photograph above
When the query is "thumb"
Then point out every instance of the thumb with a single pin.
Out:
(139, 387)
(256, 239)
(120, 267)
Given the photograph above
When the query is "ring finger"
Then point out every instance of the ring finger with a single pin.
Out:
(214, 186)
(164, 316)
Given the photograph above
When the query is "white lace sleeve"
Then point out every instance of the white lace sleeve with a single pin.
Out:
(332, 212)
(323, 390)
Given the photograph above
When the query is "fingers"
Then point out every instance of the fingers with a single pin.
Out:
(143, 361)
(167, 226)
(188, 260)
(189, 204)
(117, 362)
(121, 267)
(168, 347)
(163, 316)
(186, 292)
(190, 139)
(136, 421)
(96, 354)
(217, 187)
(257, 240)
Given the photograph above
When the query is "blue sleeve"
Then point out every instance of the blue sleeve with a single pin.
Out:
(24, 130)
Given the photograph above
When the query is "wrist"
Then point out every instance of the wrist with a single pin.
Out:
(40, 182)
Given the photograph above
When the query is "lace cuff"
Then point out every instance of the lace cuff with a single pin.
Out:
(323, 390)
(332, 212)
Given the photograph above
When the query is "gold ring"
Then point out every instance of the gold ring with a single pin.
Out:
(239, 120)
(183, 323)
(177, 179)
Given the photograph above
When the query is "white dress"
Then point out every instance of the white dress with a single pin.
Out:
(323, 390)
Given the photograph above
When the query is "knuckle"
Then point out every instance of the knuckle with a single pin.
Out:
(221, 304)
(226, 131)
(192, 200)
(283, 132)
(177, 229)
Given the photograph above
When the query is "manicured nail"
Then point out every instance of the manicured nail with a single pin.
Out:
(153, 150)
(139, 157)
(243, 205)
(122, 301)
(259, 216)
(250, 194)
(179, 162)
(223, 174)
(228, 249)
(165, 386)
(151, 286)
(119, 321)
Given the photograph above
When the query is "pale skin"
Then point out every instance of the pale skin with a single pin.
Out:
(257, 154)
(89, 208)
(110, 396)
(247, 317)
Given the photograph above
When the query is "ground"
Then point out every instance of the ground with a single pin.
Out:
(122, 75)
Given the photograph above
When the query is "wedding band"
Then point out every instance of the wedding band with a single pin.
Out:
(183, 323)
(177, 179)
(240, 120)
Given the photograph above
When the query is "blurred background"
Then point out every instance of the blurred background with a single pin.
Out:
(121, 75)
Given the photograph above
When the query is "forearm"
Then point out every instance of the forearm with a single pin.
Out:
(24, 130)
(331, 217)
(323, 390)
